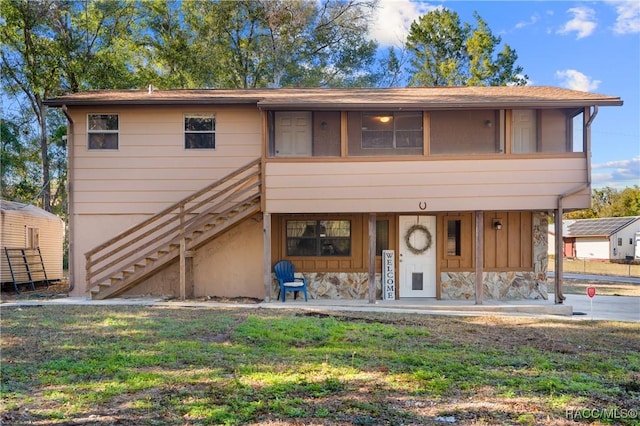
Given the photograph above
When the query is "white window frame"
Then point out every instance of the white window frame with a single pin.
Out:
(102, 132)
(212, 116)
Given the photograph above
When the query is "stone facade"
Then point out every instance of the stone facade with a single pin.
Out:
(506, 285)
(336, 285)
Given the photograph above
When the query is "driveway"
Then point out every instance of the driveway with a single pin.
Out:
(614, 308)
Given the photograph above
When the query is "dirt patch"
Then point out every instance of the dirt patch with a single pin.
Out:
(54, 290)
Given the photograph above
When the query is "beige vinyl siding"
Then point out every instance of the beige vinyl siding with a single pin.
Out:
(446, 185)
(14, 224)
(151, 169)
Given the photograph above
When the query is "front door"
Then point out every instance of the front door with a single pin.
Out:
(417, 256)
(293, 134)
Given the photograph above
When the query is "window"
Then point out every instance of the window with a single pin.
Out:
(385, 133)
(102, 131)
(391, 130)
(619, 242)
(382, 236)
(200, 131)
(318, 238)
(454, 247)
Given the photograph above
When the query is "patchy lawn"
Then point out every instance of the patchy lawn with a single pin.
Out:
(98, 365)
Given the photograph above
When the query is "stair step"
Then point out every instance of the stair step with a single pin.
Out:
(132, 273)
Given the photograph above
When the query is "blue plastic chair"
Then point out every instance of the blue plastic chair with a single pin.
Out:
(285, 274)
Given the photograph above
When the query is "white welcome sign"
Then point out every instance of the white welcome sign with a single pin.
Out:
(388, 275)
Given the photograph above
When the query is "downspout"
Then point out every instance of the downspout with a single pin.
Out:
(559, 296)
(70, 204)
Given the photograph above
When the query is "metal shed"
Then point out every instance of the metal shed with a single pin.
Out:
(27, 227)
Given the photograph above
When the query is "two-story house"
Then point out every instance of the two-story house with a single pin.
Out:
(194, 193)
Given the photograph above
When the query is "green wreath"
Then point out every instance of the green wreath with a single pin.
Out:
(407, 239)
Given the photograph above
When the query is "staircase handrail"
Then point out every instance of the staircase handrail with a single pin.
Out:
(173, 220)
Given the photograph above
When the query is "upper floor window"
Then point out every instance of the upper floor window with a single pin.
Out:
(318, 237)
(102, 131)
(200, 131)
(385, 133)
(391, 130)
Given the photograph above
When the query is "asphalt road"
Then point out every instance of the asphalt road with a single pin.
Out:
(609, 278)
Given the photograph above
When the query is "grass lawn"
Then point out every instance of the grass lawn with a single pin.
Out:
(132, 365)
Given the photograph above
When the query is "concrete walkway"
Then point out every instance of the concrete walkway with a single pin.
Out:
(418, 305)
(576, 307)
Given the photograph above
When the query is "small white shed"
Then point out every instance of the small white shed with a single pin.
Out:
(23, 226)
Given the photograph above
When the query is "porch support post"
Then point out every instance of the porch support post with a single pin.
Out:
(266, 240)
(479, 255)
(186, 271)
(372, 258)
(559, 297)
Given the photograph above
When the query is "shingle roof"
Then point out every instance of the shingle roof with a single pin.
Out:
(603, 227)
(408, 97)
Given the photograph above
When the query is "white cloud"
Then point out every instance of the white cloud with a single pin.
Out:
(628, 21)
(532, 21)
(618, 173)
(393, 20)
(583, 22)
(575, 80)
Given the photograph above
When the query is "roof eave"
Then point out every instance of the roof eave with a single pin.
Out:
(266, 104)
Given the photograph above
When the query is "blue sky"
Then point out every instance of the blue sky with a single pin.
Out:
(592, 46)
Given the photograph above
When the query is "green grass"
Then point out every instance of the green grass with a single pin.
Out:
(158, 365)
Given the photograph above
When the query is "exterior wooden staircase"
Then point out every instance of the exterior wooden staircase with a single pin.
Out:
(132, 256)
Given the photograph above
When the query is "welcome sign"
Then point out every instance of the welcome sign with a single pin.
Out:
(388, 275)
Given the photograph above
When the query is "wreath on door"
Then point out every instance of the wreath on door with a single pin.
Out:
(407, 239)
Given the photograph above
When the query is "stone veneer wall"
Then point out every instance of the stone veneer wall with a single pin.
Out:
(506, 285)
(336, 285)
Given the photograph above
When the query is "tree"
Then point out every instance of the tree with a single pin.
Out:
(54, 46)
(19, 169)
(248, 44)
(610, 202)
(27, 65)
(444, 52)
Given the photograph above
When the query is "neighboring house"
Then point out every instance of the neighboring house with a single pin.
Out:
(27, 227)
(607, 238)
(191, 193)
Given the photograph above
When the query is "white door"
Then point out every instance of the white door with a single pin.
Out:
(417, 256)
(293, 134)
(524, 130)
